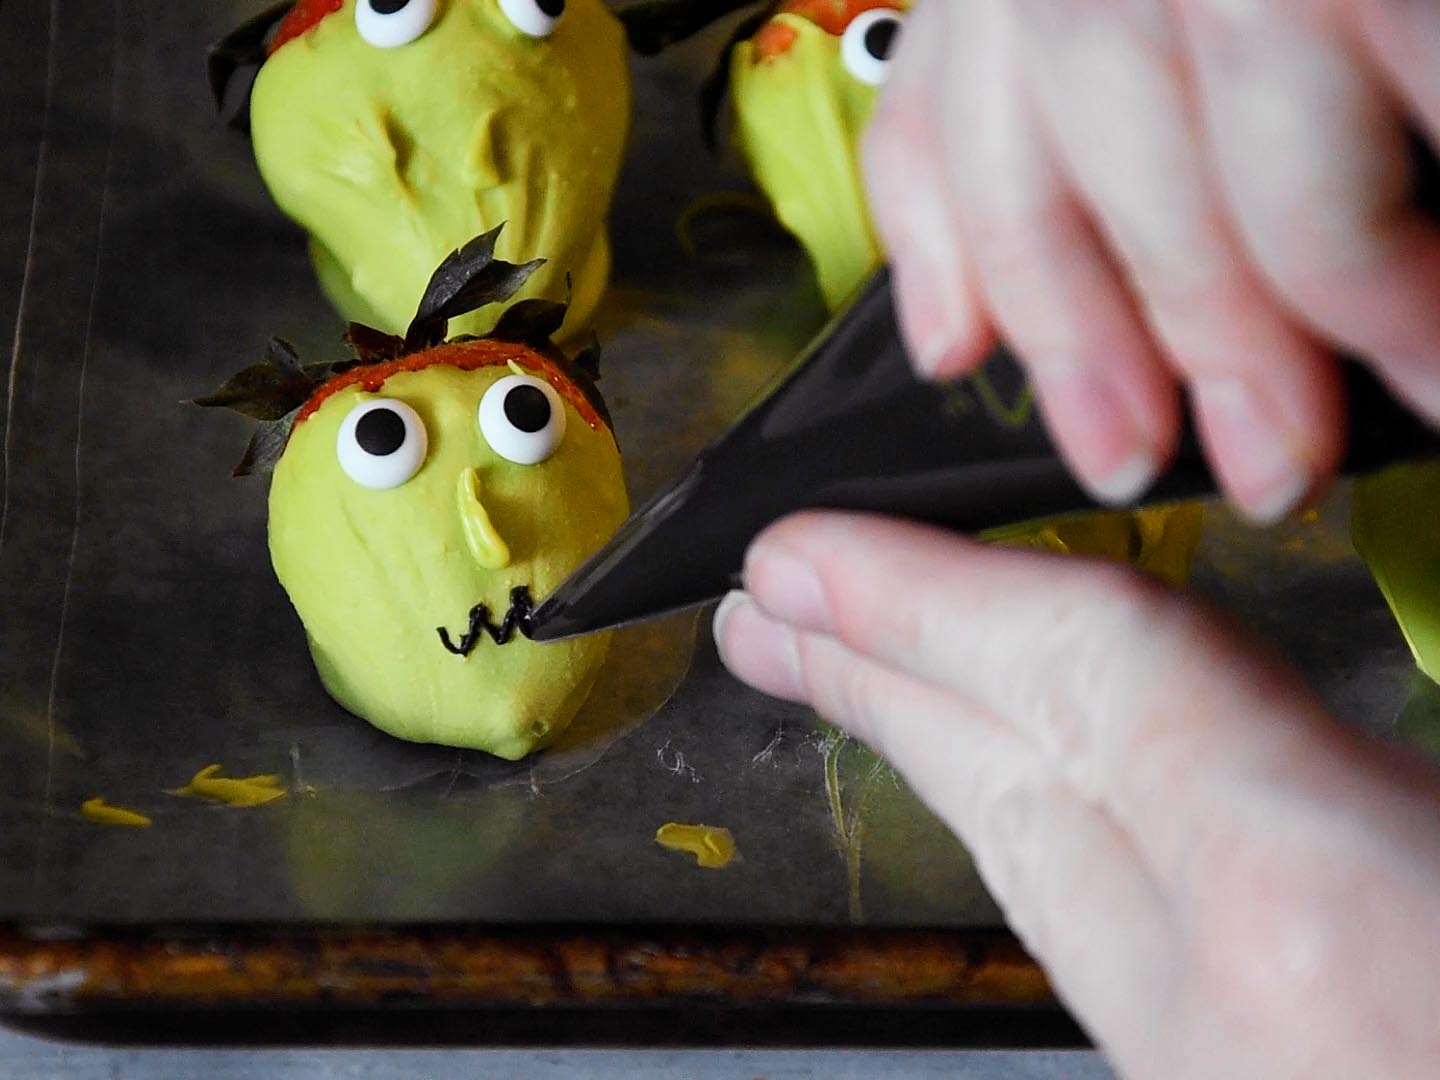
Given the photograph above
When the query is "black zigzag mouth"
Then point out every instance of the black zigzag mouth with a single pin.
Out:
(517, 617)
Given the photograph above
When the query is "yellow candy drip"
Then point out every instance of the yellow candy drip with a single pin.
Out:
(102, 813)
(712, 846)
(232, 791)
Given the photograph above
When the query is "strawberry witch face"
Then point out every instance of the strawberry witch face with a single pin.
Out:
(802, 77)
(395, 130)
(803, 88)
(422, 495)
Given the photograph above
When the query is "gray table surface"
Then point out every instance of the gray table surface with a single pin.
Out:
(24, 1058)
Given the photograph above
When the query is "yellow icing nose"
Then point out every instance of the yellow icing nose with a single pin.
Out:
(485, 543)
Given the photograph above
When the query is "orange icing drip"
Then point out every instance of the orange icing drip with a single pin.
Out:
(774, 39)
(467, 356)
(301, 18)
(832, 16)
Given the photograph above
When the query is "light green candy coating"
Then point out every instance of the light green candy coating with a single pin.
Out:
(372, 573)
(799, 117)
(393, 158)
(1397, 533)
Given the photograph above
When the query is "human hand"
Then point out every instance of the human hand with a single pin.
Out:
(1140, 194)
(1219, 878)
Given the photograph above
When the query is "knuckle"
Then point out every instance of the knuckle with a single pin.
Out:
(1012, 848)
(1004, 828)
(1101, 643)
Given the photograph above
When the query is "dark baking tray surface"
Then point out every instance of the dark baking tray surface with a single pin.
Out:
(143, 636)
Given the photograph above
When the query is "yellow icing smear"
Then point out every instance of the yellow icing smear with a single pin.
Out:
(232, 791)
(712, 846)
(102, 813)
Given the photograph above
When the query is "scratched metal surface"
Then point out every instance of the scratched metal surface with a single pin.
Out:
(142, 635)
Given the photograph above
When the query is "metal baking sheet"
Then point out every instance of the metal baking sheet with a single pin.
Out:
(143, 636)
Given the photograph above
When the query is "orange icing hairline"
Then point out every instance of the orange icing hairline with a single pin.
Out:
(302, 17)
(465, 355)
(832, 16)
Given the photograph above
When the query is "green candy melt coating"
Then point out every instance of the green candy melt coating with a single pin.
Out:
(373, 573)
(799, 117)
(1398, 537)
(392, 158)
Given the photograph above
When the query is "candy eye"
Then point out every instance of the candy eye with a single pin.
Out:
(382, 443)
(387, 24)
(869, 43)
(523, 419)
(534, 18)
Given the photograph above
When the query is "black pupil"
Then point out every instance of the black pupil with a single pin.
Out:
(380, 432)
(388, 7)
(527, 408)
(553, 8)
(880, 38)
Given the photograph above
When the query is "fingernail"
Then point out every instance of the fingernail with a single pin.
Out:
(1259, 464)
(1127, 481)
(786, 586)
(757, 650)
(931, 320)
(732, 601)
(1091, 419)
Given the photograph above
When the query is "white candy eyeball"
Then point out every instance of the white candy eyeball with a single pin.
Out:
(523, 419)
(382, 443)
(534, 18)
(869, 44)
(388, 24)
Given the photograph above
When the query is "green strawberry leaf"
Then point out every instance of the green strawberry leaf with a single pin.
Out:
(530, 322)
(266, 445)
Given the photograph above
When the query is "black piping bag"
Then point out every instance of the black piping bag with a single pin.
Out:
(850, 427)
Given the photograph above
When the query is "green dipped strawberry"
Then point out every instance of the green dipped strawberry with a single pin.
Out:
(422, 494)
(392, 131)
